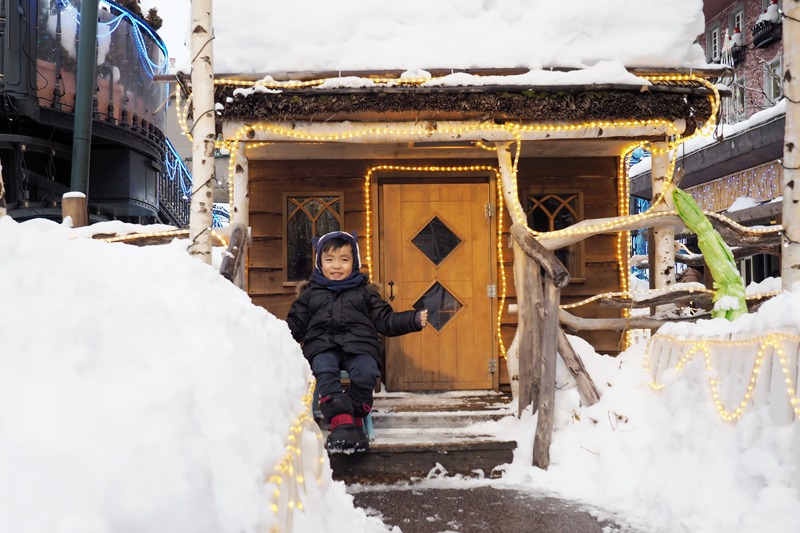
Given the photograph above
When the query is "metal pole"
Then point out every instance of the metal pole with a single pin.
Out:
(203, 175)
(84, 95)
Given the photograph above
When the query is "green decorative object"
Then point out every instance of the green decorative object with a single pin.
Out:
(718, 257)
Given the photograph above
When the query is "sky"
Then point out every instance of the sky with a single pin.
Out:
(319, 35)
(143, 392)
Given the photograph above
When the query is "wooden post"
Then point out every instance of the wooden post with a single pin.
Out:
(586, 387)
(240, 210)
(529, 294)
(203, 174)
(235, 252)
(75, 205)
(662, 269)
(790, 256)
(547, 388)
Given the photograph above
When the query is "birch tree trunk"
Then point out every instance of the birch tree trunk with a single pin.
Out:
(203, 174)
(240, 210)
(790, 256)
(662, 269)
(514, 207)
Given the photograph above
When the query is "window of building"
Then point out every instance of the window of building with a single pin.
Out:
(555, 211)
(739, 98)
(773, 80)
(759, 267)
(308, 216)
(737, 20)
(712, 44)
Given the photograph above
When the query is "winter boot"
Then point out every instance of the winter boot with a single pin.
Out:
(360, 411)
(338, 410)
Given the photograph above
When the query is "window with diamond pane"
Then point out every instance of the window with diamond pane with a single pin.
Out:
(308, 217)
(441, 305)
(436, 241)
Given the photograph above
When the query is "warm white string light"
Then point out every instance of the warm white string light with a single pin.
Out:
(770, 343)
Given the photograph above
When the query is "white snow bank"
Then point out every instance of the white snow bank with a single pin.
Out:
(142, 392)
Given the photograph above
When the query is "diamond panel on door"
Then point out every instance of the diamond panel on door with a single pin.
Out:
(441, 305)
(436, 241)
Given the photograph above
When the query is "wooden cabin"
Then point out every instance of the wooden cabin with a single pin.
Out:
(417, 172)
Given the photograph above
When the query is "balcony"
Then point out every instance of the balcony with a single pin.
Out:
(765, 33)
(129, 55)
(737, 54)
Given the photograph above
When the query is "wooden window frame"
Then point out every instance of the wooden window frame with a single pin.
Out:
(737, 16)
(285, 227)
(713, 48)
(769, 82)
(576, 254)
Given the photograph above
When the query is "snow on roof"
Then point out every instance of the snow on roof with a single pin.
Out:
(724, 131)
(318, 35)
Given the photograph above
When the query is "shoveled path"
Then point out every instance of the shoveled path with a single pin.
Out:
(427, 510)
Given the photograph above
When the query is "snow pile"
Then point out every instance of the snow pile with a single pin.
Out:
(666, 461)
(142, 392)
(316, 35)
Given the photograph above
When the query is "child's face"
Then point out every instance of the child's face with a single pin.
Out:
(338, 264)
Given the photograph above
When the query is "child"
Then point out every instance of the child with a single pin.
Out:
(337, 318)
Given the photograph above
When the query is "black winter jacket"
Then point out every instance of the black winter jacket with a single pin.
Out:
(349, 320)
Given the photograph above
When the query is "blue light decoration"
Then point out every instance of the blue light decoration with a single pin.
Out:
(638, 205)
(221, 216)
(105, 29)
(177, 171)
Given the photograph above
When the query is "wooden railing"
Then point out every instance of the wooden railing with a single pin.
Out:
(539, 277)
(750, 369)
(541, 339)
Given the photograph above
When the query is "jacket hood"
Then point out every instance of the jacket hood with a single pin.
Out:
(351, 238)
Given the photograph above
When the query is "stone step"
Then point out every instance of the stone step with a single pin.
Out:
(441, 419)
(408, 453)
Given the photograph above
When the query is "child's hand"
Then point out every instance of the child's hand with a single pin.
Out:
(423, 317)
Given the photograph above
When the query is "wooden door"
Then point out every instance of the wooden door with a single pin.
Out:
(437, 243)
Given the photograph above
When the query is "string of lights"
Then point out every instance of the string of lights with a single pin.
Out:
(771, 343)
(288, 475)
(499, 225)
(140, 28)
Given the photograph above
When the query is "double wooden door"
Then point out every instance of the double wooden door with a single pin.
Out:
(437, 242)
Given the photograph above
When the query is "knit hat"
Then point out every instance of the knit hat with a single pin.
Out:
(351, 239)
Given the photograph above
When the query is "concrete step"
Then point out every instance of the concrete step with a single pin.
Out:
(417, 432)
(451, 419)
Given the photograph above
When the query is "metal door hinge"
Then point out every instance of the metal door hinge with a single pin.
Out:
(489, 209)
(492, 366)
(491, 291)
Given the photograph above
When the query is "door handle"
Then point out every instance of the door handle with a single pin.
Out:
(391, 291)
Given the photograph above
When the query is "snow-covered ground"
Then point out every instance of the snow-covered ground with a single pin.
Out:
(142, 392)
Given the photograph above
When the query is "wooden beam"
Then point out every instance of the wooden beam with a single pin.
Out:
(541, 255)
(577, 323)
(586, 387)
(430, 131)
